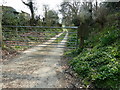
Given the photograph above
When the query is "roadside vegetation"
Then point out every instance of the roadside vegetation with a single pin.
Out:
(97, 62)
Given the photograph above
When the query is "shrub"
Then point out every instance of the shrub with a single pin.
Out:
(99, 65)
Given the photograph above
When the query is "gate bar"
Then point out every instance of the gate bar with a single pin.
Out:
(41, 26)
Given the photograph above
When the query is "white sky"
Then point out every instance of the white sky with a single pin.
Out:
(18, 5)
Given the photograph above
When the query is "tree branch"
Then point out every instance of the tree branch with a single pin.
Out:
(25, 3)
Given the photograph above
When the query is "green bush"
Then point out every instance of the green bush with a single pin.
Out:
(100, 64)
(109, 37)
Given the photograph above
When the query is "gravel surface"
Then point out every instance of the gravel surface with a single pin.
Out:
(38, 67)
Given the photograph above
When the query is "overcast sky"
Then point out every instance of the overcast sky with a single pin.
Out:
(18, 5)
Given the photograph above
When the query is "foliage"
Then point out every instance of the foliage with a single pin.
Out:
(69, 10)
(98, 64)
(114, 17)
(51, 18)
(11, 17)
(72, 38)
(113, 6)
(100, 15)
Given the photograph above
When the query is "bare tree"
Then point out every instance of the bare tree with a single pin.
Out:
(101, 16)
(45, 9)
(70, 10)
(31, 7)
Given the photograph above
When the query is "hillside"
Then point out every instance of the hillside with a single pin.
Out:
(98, 63)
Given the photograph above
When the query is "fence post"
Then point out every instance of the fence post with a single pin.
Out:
(1, 47)
(77, 33)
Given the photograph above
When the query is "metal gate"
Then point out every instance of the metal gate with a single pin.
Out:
(23, 37)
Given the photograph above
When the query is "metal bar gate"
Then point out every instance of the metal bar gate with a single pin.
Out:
(21, 37)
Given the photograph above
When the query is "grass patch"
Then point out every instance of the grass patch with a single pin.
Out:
(59, 39)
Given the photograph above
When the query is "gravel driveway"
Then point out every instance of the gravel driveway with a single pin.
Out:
(38, 67)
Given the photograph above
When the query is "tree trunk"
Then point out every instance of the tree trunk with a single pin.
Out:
(83, 31)
(30, 5)
(90, 10)
(81, 42)
(96, 5)
(81, 34)
(0, 26)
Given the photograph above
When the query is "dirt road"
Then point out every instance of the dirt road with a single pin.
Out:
(38, 67)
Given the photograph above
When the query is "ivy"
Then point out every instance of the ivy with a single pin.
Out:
(100, 65)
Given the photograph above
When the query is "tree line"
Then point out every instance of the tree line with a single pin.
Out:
(87, 14)
(11, 17)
